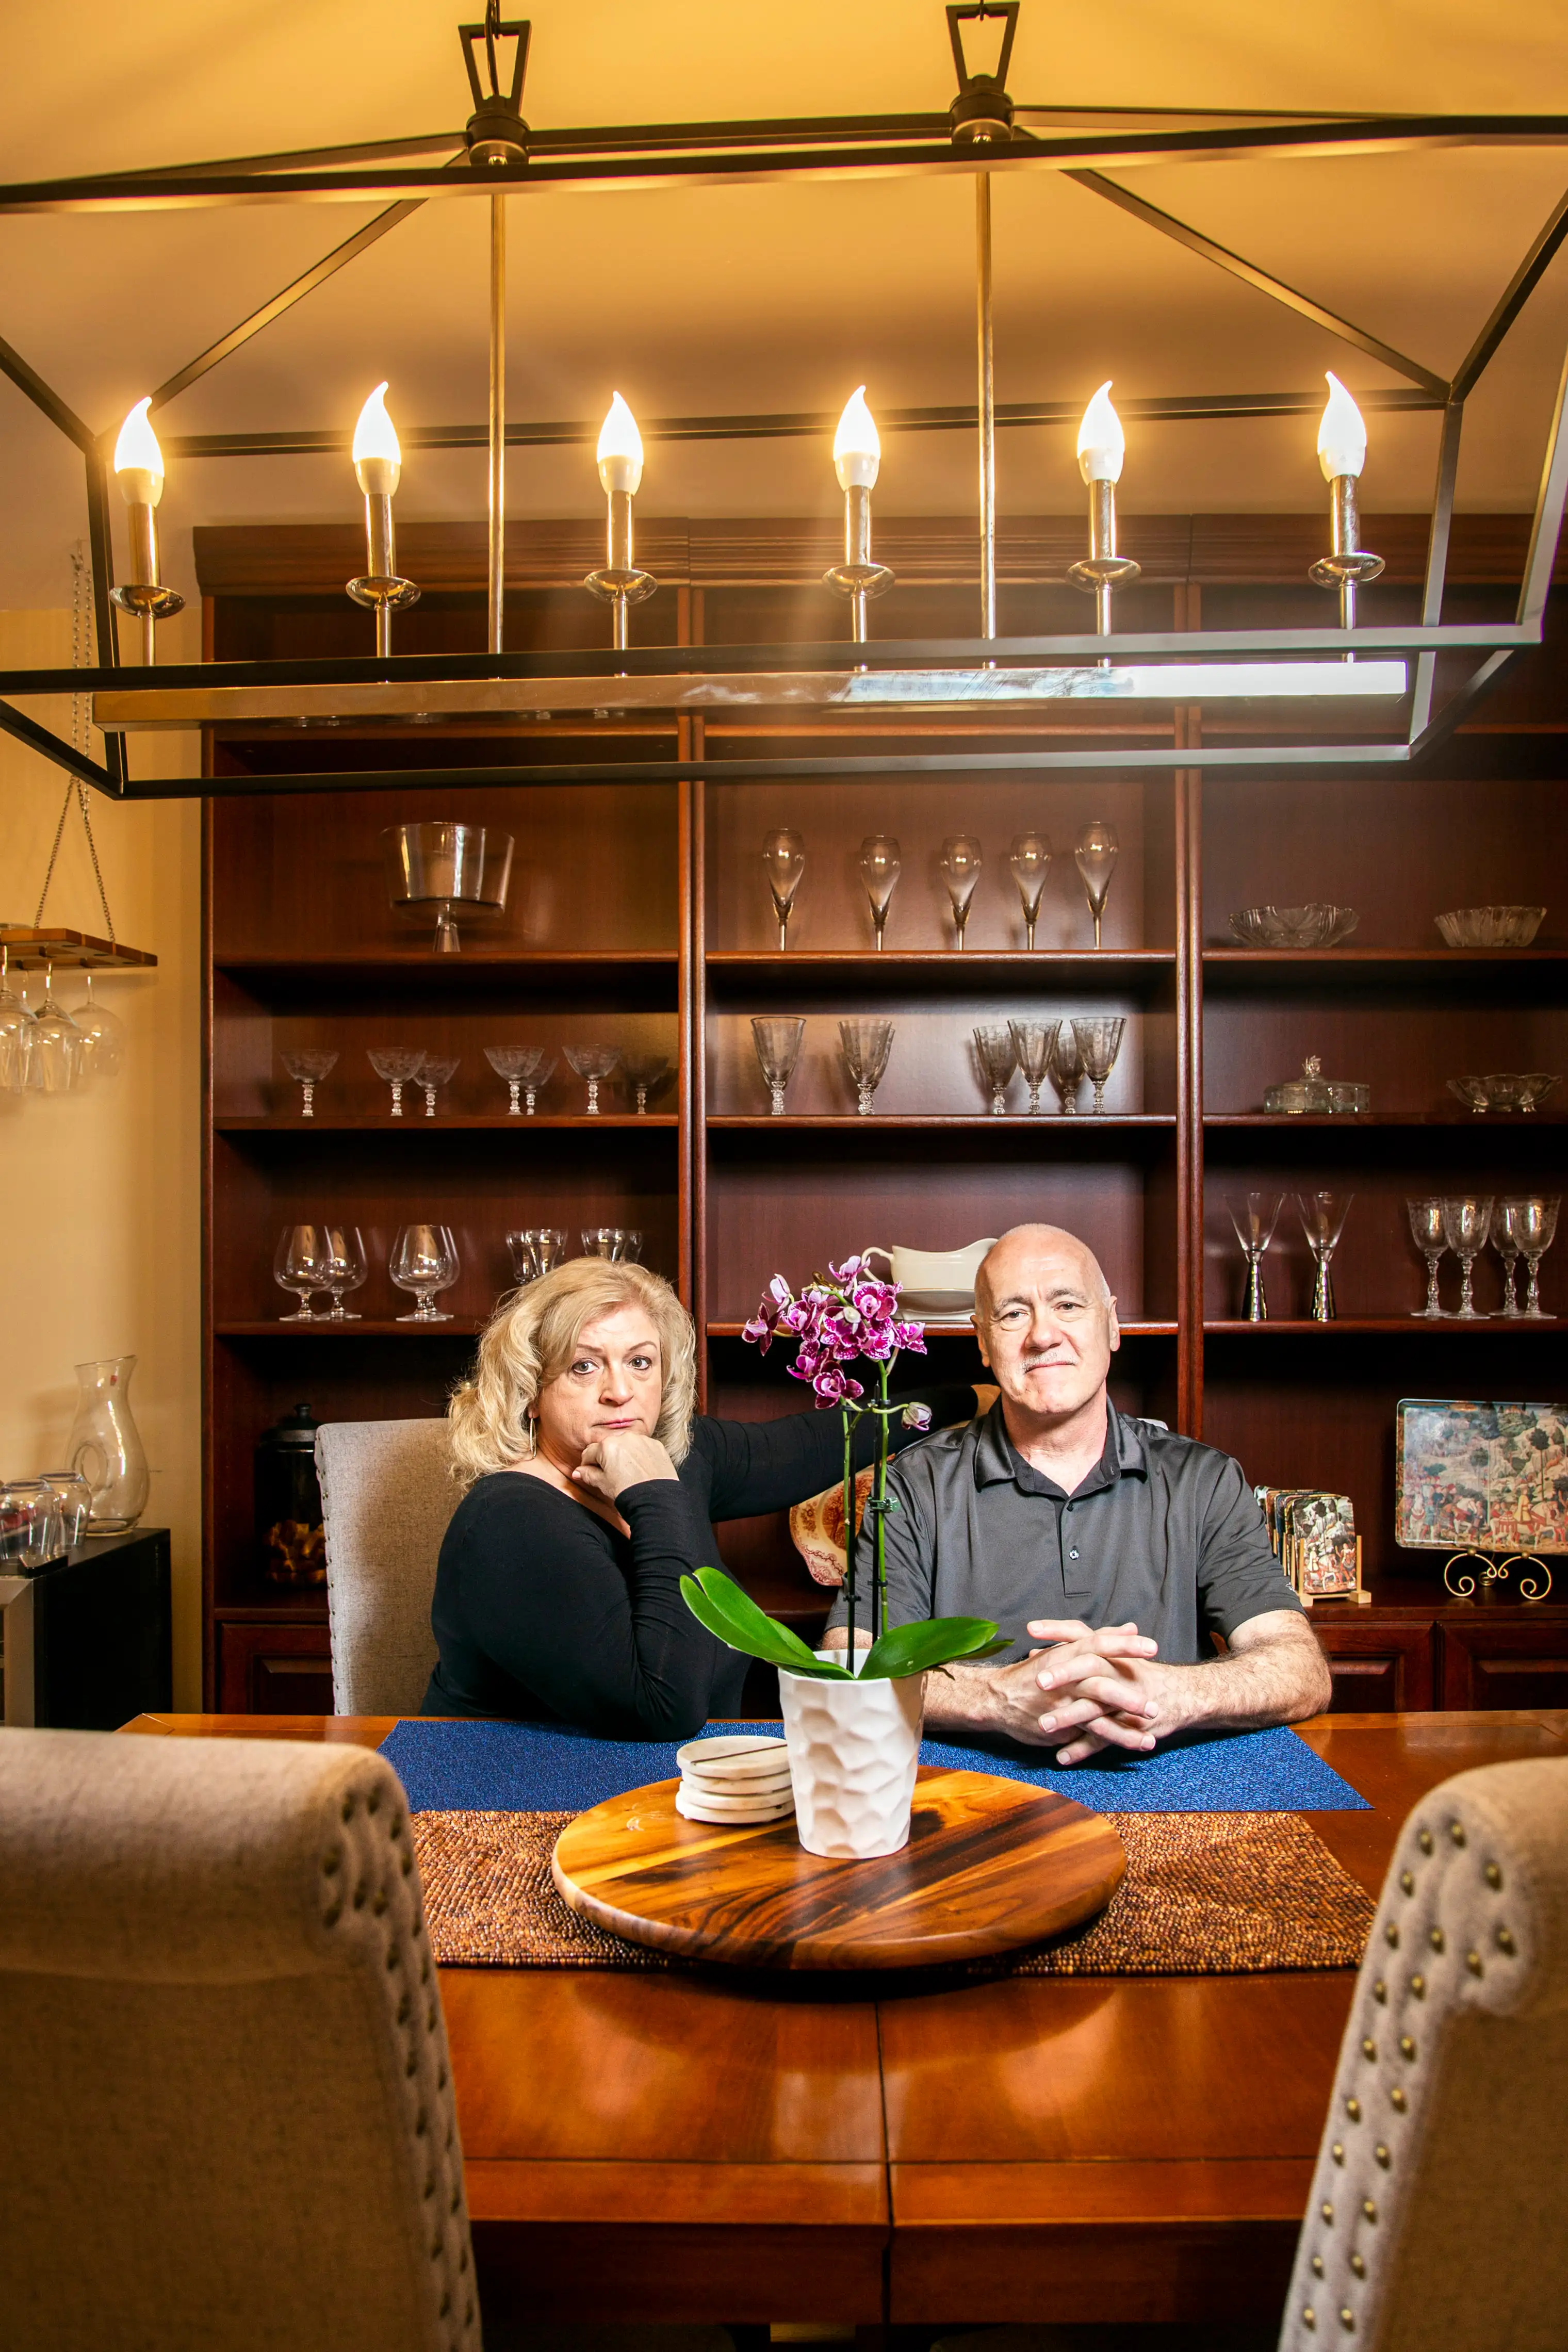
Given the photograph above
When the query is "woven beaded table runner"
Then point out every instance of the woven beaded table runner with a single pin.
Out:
(1204, 1894)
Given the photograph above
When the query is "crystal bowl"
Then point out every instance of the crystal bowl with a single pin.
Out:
(1504, 1089)
(1491, 927)
(1316, 926)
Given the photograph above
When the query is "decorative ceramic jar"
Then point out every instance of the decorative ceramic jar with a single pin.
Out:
(854, 1749)
(288, 1501)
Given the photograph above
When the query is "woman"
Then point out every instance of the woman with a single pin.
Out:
(592, 1490)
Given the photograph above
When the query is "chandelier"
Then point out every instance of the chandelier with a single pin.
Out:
(981, 131)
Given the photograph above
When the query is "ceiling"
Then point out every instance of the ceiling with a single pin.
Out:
(774, 296)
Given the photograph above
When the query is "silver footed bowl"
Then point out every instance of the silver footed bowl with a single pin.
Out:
(1314, 926)
(1505, 1089)
(1491, 927)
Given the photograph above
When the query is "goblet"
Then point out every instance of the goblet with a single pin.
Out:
(998, 1054)
(880, 867)
(1034, 1041)
(1323, 1218)
(1507, 1249)
(57, 1047)
(1531, 1220)
(300, 1263)
(866, 1045)
(783, 862)
(1467, 1221)
(778, 1050)
(1066, 1065)
(1098, 1042)
(436, 1071)
(16, 1034)
(1426, 1231)
(103, 1037)
(1030, 861)
(308, 1068)
(1254, 1216)
(643, 1074)
(525, 1068)
(592, 1064)
(622, 1244)
(958, 866)
(423, 1261)
(1095, 857)
(346, 1266)
(395, 1066)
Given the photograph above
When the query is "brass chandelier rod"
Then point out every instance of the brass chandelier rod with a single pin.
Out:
(986, 403)
(497, 596)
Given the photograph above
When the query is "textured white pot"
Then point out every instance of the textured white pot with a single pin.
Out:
(854, 1749)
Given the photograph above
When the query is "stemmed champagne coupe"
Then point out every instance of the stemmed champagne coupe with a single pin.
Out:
(866, 1045)
(1030, 861)
(1066, 1065)
(423, 1261)
(1323, 1218)
(525, 1068)
(436, 1071)
(1099, 1044)
(1095, 857)
(1034, 1041)
(301, 1263)
(879, 867)
(1467, 1221)
(1254, 1216)
(1531, 1221)
(592, 1064)
(996, 1052)
(1507, 1249)
(643, 1074)
(778, 1050)
(1430, 1237)
(346, 1267)
(395, 1066)
(783, 862)
(308, 1068)
(958, 866)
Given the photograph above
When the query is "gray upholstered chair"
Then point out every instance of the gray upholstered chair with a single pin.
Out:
(387, 1496)
(226, 2099)
(1436, 2213)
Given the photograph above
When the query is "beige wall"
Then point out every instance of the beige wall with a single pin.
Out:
(99, 1191)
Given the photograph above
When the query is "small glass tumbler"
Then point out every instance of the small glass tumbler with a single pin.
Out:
(73, 1502)
(29, 1523)
(620, 1244)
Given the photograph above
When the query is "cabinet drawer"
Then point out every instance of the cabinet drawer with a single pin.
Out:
(274, 1669)
(1521, 1660)
(1377, 1669)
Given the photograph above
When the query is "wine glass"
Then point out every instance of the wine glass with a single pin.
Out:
(1507, 1249)
(1427, 1233)
(1033, 1041)
(55, 1060)
(1099, 1044)
(15, 1033)
(395, 1066)
(644, 1073)
(1095, 857)
(525, 1068)
(425, 1261)
(103, 1036)
(300, 1263)
(536, 1250)
(307, 1067)
(346, 1267)
(880, 867)
(1532, 1221)
(621, 1243)
(778, 1050)
(783, 862)
(1066, 1065)
(1254, 1216)
(1323, 1218)
(996, 1052)
(436, 1071)
(1467, 1221)
(1030, 860)
(959, 867)
(592, 1064)
(866, 1045)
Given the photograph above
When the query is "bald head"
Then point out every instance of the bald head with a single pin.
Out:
(1033, 1247)
(1047, 1325)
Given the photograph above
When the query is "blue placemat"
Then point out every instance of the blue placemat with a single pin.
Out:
(528, 1768)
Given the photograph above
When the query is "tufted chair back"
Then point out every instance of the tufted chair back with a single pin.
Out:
(386, 1497)
(1437, 2221)
(226, 2099)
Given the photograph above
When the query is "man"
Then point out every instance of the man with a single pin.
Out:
(1106, 1549)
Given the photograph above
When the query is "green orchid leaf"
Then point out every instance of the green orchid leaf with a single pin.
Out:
(732, 1617)
(932, 1641)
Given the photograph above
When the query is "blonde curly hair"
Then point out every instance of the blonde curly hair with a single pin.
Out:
(529, 1341)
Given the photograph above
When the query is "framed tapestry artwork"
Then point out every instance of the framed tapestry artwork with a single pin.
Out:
(1473, 1475)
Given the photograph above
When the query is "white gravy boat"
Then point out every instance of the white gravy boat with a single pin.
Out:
(925, 1273)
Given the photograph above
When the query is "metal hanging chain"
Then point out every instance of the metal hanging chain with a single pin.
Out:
(81, 659)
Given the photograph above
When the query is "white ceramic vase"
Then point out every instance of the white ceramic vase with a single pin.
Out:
(854, 1749)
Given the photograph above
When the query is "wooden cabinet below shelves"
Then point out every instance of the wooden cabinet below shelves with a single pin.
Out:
(1380, 1666)
(1505, 1656)
(263, 1668)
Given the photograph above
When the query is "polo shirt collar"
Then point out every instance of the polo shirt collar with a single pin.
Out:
(994, 1460)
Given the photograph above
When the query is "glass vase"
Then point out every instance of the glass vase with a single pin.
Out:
(105, 1445)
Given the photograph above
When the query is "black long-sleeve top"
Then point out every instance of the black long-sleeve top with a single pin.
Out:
(545, 1612)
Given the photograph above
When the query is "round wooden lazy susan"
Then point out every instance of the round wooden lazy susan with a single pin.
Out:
(990, 1864)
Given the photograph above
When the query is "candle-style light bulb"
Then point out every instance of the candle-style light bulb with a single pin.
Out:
(619, 452)
(139, 470)
(138, 460)
(857, 445)
(378, 467)
(1342, 434)
(1101, 443)
(1101, 447)
(857, 461)
(1341, 454)
(377, 452)
(619, 456)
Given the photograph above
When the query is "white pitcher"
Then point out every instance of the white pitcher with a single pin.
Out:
(924, 1271)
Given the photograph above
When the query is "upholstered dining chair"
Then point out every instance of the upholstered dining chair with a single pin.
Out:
(227, 2104)
(386, 1498)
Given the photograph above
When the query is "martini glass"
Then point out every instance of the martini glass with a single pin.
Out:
(1034, 1041)
(345, 1268)
(1095, 856)
(1323, 1218)
(1066, 1065)
(1029, 860)
(866, 1045)
(1254, 1216)
(958, 866)
(643, 1074)
(879, 867)
(778, 1050)
(783, 862)
(1098, 1042)
(395, 1066)
(16, 1034)
(593, 1065)
(1508, 1249)
(436, 1071)
(1426, 1231)
(996, 1052)
(1467, 1221)
(1532, 1221)
(308, 1068)
(103, 1037)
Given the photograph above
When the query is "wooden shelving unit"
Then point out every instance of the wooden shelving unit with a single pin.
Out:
(639, 912)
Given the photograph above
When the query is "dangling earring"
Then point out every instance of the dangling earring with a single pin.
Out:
(530, 1423)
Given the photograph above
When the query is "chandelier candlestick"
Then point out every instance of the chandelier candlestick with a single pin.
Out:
(857, 461)
(1101, 446)
(139, 470)
(1341, 454)
(378, 464)
(497, 427)
(620, 460)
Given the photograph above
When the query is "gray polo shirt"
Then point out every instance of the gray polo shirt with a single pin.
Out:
(1162, 1533)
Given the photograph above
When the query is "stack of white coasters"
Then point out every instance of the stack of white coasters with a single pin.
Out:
(734, 1778)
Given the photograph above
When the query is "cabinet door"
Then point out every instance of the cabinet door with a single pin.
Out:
(274, 1669)
(1501, 1657)
(1378, 1669)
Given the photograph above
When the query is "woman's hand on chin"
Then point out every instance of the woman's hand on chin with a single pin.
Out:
(621, 1458)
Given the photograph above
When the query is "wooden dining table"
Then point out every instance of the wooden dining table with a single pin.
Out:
(686, 2146)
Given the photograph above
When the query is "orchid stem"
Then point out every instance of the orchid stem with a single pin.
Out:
(849, 1531)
